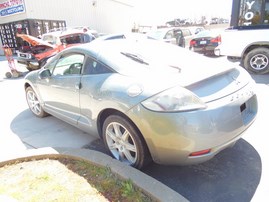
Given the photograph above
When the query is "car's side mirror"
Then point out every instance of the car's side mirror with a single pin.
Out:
(44, 74)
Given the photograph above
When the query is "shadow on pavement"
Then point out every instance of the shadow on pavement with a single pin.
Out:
(233, 175)
(48, 132)
(261, 79)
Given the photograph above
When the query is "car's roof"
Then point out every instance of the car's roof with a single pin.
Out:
(145, 57)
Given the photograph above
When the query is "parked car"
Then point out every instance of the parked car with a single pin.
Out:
(180, 36)
(40, 50)
(171, 35)
(127, 35)
(205, 42)
(195, 29)
(147, 100)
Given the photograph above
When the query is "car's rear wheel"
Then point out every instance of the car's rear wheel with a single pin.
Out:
(34, 103)
(124, 142)
(257, 61)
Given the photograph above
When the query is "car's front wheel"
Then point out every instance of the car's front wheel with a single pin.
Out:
(124, 142)
(34, 103)
(257, 61)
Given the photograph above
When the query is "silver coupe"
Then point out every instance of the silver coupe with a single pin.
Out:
(147, 100)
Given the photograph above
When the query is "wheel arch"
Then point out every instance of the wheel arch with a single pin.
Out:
(26, 85)
(107, 112)
(254, 46)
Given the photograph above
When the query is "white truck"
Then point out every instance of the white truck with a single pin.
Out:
(247, 40)
(249, 46)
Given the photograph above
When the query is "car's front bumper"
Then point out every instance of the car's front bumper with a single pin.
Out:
(26, 59)
(172, 137)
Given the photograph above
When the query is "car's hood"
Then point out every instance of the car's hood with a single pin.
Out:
(34, 41)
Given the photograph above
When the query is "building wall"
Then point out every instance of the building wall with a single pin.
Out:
(105, 16)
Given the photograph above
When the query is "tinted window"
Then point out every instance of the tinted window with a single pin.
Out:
(186, 32)
(254, 12)
(69, 64)
(169, 34)
(94, 67)
(266, 14)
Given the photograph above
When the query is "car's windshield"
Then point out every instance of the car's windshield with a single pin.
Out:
(50, 39)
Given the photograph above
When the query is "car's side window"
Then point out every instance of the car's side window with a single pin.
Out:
(51, 65)
(69, 65)
(186, 32)
(169, 35)
(94, 67)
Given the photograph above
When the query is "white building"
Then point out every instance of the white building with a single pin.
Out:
(36, 17)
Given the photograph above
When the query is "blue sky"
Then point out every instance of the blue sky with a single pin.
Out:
(153, 11)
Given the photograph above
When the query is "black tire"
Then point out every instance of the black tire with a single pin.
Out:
(34, 103)
(257, 61)
(118, 133)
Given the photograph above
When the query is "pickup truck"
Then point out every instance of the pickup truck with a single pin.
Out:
(248, 45)
(49, 45)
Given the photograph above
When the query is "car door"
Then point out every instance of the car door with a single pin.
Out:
(187, 37)
(93, 94)
(170, 37)
(60, 92)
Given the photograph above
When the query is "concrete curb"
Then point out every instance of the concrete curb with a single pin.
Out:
(148, 184)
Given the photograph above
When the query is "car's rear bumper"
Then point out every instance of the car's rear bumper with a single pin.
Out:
(204, 50)
(173, 137)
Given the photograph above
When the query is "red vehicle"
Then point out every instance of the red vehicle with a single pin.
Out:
(40, 50)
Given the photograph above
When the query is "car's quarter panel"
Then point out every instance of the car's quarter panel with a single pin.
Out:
(110, 91)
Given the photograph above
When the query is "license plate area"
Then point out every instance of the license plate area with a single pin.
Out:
(203, 42)
(243, 107)
(249, 110)
(22, 55)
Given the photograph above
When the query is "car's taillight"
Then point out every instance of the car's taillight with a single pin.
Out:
(216, 40)
(192, 42)
(200, 153)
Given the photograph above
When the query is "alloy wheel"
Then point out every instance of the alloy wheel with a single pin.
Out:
(121, 143)
(259, 62)
(33, 103)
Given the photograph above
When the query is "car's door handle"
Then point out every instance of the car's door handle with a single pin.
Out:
(78, 85)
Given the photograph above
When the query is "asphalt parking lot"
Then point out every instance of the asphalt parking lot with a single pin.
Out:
(237, 174)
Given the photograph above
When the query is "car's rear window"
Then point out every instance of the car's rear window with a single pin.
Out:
(148, 55)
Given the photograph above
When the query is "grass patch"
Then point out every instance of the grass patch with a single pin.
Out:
(65, 179)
